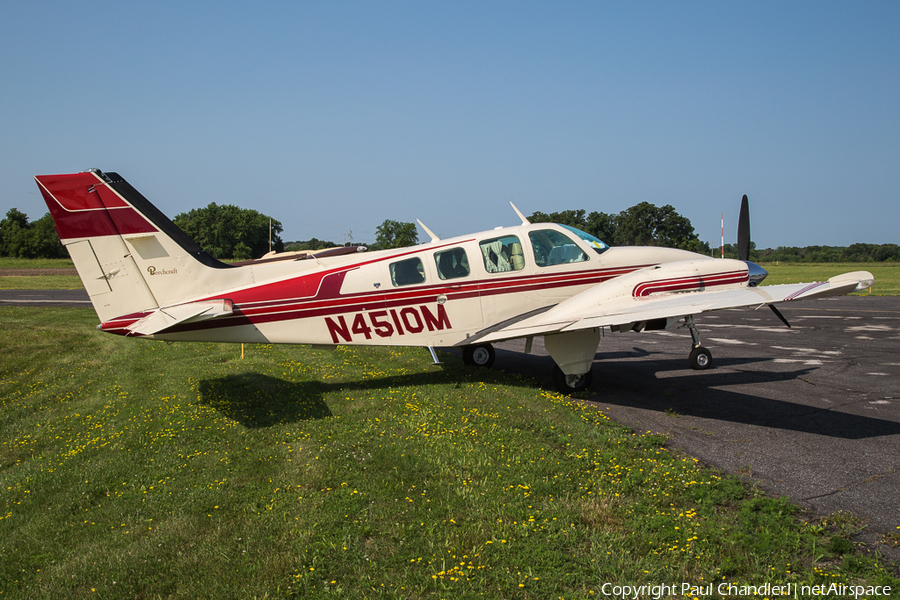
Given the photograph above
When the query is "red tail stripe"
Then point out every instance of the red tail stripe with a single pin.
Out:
(83, 206)
(78, 191)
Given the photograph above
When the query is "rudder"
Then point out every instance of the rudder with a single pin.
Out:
(130, 257)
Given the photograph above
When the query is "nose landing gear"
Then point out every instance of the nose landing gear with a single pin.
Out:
(700, 358)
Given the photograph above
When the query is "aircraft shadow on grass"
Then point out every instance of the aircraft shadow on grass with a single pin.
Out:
(257, 400)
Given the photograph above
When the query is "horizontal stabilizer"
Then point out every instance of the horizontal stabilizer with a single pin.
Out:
(162, 319)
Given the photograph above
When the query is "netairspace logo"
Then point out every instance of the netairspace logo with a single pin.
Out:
(733, 590)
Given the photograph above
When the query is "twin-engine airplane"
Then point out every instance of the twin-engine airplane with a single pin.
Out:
(146, 278)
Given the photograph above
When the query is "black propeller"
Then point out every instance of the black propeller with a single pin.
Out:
(743, 236)
(779, 315)
(743, 248)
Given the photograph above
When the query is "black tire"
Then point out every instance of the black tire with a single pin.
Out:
(700, 358)
(570, 384)
(479, 355)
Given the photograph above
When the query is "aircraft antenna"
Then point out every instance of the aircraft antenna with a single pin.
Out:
(521, 216)
(434, 238)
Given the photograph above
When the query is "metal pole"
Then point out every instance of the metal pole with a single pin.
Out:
(723, 235)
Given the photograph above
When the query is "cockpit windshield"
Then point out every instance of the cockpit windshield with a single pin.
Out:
(598, 246)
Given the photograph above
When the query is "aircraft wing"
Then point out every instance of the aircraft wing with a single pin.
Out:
(605, 305)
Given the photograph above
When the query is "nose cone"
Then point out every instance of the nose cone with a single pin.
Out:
(757, 273)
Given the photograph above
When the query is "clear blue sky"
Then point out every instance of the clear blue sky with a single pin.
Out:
(333, 116)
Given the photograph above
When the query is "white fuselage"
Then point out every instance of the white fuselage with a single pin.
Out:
(361, 299)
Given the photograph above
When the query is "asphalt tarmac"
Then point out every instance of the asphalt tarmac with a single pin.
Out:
(811, 412)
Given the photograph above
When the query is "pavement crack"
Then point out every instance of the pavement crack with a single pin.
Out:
(825, 495)
(875, 477)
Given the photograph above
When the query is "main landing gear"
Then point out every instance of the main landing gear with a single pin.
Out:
(700, 358)
(570, 384)
(478, 355)
(482, 355)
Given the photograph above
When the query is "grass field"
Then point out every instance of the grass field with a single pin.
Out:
(43, 282)
(36, 263)
(138, 469)
(37, 274)
(887, 275)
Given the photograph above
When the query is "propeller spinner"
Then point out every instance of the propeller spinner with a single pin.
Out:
(757, 273)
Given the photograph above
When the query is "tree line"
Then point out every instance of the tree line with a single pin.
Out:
(21, 238)
(643, 224)
(230, 232)
(854, 253)
(226, 232)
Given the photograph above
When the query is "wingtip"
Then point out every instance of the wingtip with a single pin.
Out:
(864, 279)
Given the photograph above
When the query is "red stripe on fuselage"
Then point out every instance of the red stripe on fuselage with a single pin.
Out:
(328, 301)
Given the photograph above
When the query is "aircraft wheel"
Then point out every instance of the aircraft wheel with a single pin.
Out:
(479, 355)
(700, 358)
(569, 384)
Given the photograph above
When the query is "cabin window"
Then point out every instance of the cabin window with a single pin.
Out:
(596, 244)
(503, 254)
(407, 272)
(452, 264)
(554, 248)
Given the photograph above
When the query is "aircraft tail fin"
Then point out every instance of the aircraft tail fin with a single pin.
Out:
(131, 258)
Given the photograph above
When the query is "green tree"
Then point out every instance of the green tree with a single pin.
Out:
(636, 226)
(12, 232)
(598, 224)
(228, 231)
(43, 241)
(643, 224)
(601, 225)
(23, 239)
(646, 224)
(310, 244)
(396, 234)
(572, 218)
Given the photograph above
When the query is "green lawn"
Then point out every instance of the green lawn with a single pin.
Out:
(139, 469)
(38, 282)
(36, 263)
(887, 275)
(43, 282)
